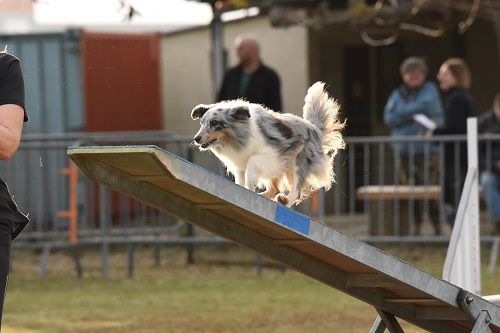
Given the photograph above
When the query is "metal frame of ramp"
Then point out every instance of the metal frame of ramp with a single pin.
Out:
(395, 288)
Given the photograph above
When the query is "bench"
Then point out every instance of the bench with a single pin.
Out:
(389, 195)
(398, 192)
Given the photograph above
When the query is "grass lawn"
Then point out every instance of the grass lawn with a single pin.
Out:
(204, 297)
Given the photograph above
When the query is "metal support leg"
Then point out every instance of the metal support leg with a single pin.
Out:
(494, 255)
(390, 321)
(44, 259)
(480, 317)
(190, 247)
(157, 255)
(104, 221)
(258, 263)
(130, 259)
(75, 254)
(482, 323)
(378, 326)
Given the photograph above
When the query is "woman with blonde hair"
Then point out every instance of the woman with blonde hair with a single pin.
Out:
(454, 80)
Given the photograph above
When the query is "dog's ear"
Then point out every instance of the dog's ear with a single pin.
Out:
(200, 110)
(240, 113)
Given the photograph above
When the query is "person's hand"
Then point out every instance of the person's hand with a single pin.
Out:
(429, 134)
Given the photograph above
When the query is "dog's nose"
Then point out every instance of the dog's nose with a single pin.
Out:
(197, 139)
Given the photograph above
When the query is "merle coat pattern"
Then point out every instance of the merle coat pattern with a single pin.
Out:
(290, 156)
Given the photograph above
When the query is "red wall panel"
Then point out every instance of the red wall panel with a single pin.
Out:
(122, 82)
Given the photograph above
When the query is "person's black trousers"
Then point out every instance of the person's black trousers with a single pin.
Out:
(5, 243)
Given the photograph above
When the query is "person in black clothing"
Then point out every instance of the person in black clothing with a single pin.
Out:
(454, 80)
(489, 123)
(12, 116)
(251, 79)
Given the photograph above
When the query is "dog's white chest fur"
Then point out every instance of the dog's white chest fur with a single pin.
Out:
(254, 154)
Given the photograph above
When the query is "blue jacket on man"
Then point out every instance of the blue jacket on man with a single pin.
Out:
(403, 104)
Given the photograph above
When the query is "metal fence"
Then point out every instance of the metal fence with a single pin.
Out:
(368, 201)
(372, 194)
(39, 177)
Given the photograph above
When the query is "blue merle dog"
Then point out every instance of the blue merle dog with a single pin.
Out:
(288, 155)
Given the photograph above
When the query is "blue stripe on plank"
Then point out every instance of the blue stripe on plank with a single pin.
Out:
(292, 220)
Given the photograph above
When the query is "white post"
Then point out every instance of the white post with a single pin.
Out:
(462, 265)
(473, 207)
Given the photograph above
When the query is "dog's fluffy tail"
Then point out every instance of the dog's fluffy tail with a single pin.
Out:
(323, 112)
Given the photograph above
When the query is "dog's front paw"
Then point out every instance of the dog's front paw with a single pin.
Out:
(281, 198)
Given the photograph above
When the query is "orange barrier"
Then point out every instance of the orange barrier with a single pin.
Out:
(72, 213)
(314, 203)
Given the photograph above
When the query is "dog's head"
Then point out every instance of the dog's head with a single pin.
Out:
(219, 122)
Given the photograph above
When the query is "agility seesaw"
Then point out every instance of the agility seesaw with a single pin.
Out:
(395, 288)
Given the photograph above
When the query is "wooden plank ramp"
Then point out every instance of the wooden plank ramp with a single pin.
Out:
(395, 288)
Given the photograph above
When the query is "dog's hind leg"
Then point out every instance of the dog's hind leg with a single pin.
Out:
(296, 176)
(293, 189)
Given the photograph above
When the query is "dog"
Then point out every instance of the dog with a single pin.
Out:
(290, 156)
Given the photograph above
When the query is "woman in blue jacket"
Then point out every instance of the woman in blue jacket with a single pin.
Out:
(415, 99)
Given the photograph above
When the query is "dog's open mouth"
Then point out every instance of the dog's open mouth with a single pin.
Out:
(208, 144)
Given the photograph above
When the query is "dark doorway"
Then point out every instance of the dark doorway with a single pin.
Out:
(357, 90)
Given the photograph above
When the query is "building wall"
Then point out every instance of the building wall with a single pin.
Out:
(187, 76)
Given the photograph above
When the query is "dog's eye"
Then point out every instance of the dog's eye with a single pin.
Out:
(214, 123)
